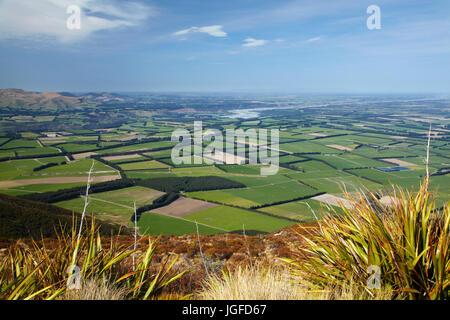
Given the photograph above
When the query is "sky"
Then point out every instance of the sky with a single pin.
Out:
(253, 46)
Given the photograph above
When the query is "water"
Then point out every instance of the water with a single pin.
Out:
(243, 114)
(248, 113)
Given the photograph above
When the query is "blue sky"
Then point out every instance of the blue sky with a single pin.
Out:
(280, 46)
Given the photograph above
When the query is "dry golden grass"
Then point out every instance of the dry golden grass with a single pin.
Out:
(275, 283)
(96, 290)
(247, 283)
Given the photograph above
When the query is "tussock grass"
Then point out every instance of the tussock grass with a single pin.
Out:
(249, 283)
(96, 290)
(275, 283)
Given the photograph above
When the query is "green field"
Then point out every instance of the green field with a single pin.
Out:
(20, 143)
(115, 206)
(233, 219)
(306, 147)
(299, 210)
(198, 171)
(77, 167)
(138, 147)
(392, 152)
(347, 160)
(290, 158)
(223, 197)
(354, 140)
(237, 169)
(16, 169)
(401, 178)
(312, 166)
(257, 195)
(39, 188)
(77, 147)
(257, 180)
(153, 164)
(57, 160)
(156, 224)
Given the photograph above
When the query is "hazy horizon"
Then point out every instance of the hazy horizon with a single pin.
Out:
(249, 93)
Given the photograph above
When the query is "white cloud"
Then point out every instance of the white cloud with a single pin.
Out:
(250, 42)
(214, 31)
(47, 19)
(313, 39)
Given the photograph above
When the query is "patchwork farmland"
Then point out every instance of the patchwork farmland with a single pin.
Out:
(321, 157)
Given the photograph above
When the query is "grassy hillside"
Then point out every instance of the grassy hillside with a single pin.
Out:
(20, 99)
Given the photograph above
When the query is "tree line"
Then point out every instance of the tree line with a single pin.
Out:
(189, 184)
(48, 165)
(162, 201)
(76, 192)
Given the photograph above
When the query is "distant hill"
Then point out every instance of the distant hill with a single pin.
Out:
(67, 94)
(20, 218)
(102, 97)
(18, 99)
(51, 101)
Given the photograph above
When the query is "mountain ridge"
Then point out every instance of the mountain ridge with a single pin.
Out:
(19, 99)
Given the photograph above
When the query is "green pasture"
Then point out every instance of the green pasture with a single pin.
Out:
(39, 188)
(300, 210)
(256, 195)
(152, 164)
(233, 219)
(77, 167)
(114, 206)
(306, 147)
(157, 224)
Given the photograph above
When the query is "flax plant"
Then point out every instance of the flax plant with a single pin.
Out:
(38, 272)
(408, 241)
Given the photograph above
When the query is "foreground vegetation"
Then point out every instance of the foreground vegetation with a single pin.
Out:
(35, 272)
(275, 283)
(408, 241)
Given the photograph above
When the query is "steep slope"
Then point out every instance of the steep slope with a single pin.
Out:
(20, 218)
